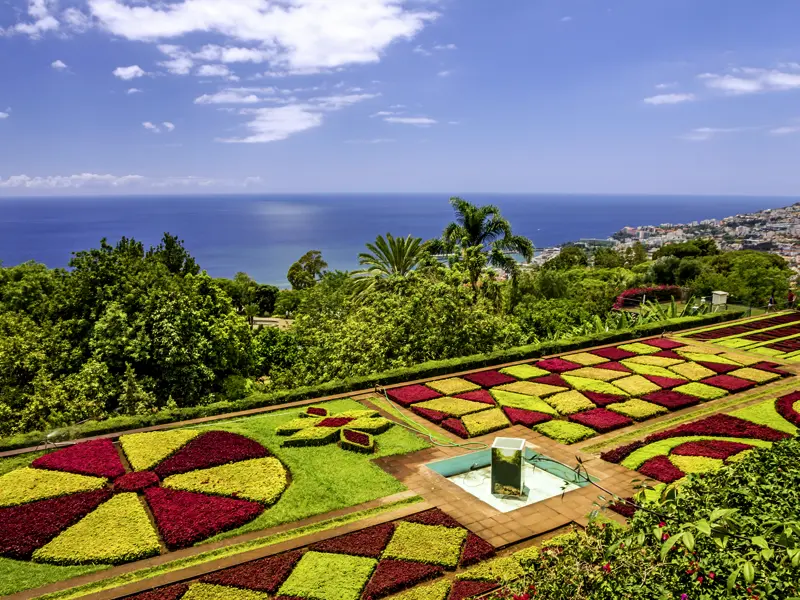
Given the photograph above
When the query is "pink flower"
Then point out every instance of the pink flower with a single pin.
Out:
(607, 568)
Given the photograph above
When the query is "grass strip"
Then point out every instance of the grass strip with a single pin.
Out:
(205, 557)
(707, 410)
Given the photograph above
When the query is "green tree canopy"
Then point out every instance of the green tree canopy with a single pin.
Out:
(305, 273)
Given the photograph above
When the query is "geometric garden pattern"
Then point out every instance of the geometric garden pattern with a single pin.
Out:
(366, 565)
(84, 505)
(574, 397)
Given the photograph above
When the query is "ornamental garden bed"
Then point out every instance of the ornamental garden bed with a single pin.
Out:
(97, 504)
(427, 556)
(576, 396)
(775, 336)
(710, 442)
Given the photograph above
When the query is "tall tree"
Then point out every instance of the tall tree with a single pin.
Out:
(307, 270)
(387, 257)
(481, 235)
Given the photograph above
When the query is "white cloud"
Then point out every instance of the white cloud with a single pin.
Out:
(789, 129)
(180, 62)
(702, 134)
(76, 20)
(133, 91)
(444, 73)
(229, 54)
(168, 126)
(418, 121)
(128, 73)
(95, 180)
(151, 127)
(278, 123)
(747, 80)
(42, 20)
(3, 115)
(440, 47)
(667, 85)
(229, 96)
(384, 113)
(355, 31)
(214, 71)
(422, 51)
(58, 65)
(669, 99)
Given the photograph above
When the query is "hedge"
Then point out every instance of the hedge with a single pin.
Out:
(366, 382)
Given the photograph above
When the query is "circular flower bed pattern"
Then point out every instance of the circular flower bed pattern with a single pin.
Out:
(83, 505)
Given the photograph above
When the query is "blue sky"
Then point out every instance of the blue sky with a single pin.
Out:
(574, 96)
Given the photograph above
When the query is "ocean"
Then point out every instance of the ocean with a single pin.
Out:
(263, 235)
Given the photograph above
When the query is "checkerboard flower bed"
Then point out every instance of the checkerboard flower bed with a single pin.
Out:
(97, 457)
(552, 379)
(637, 410)
(453, 385)
(396, 575)
(701, 390)
(489, 379)
(435, 416)
(636, 385)
(672, 400)
(613, 353)
(476, 550)
(665, 383)
(524, 371)
(433, 544)
(456, 426)
(172, 592)
(205, 591)
(729, 383)
(585, 359)
(462, 590)
(369, 542)
(719, 368)
(455, 407)
(264, 575)
(565, 431)
(523, 401)
(433, 516)
(357, 441)
(601, 420)
(601, 399)
(528, 418)
(410, 394)
(614, 366)
(485, 422)
(567, 403)
(557, 365)
(482, 396)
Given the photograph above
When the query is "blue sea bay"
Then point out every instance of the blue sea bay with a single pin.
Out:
(263, 234)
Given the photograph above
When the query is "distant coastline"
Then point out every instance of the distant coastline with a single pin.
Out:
(263, 234)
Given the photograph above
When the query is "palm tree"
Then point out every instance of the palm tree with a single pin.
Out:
(387, 257)
(483, 236)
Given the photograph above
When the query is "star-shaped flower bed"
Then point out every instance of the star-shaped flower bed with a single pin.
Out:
(83, 504)
(353, 430)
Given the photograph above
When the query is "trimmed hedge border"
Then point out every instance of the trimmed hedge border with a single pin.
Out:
(367, 382)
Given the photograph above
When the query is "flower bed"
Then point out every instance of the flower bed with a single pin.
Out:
(396, 575)
(586, 359)
(661, 469)
(522, 401)
(356, 441)
(146, 450)
(557, 365)
(205, 591)
(582, 384)
(264, 575)
(485, 422)
(613, 353)
(718, 449)
(408, 395)
(25, 528)
(665, 383)
(489, 379)
(567, 403)
(530, 388)
(312, 436)
(565, 431)
(316, 411)
(453, 385)
(334, 422)
(654, 370)
(524, 371)
(482, 396)
(476, 550)
(187, 517)
(455, 426)
(601, 420)
(210, 450)
(639, 348)
(600, 374)
(136, 482)
(785, 406)
(636, 385)
(455, 407)
(371, 425)
(369, 542)
(729, 383)
(756, 375)
(118, 531)
(720, 368)
(701, 390)
(95, 457)
(433, 544)
(435, 416)
(28, 485)
(696, 464)
(528, 418)
(601, 399)
(614, 366)
(671, 399)
(638, 410)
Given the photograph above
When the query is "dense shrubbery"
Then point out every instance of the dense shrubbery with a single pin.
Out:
(731, 533)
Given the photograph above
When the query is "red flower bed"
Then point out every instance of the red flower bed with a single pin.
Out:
(317, 411)
(723, 426)
(612, 353)
(660, 468)
(614, 366)
(136, 482)
(601, 419)
(408, 395)
(601, 399)
(771, 367)
(356, 437)
(626, 509)
(96, 457)
(634, 296)
(528, 418)
(617, 455)
(432, 415)
(476, 549)
(392, 576)
(552, 379)
(671, 400)
(665, 382)
(186, 517)
(557, 365)
(664, 343)
(27, 527)
(785, 408)
(489, 378)
(172, 592)
(434, 516)
(456, 426)
(369, 542)
(264, 575)
(462, 590)
(210, 450)
(729, 383)
(334, 422)
(711, 449)
(477, 396)
(668, 354)
(719, 368)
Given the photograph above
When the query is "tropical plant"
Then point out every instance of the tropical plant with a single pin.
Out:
(479, 236)
(307, 270)
(387, 257)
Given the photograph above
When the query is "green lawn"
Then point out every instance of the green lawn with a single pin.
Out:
(324, 479)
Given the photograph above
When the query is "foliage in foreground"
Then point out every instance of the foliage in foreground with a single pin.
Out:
(733, 533)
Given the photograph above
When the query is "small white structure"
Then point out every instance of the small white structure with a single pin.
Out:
(719, 301)
(507, 460)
